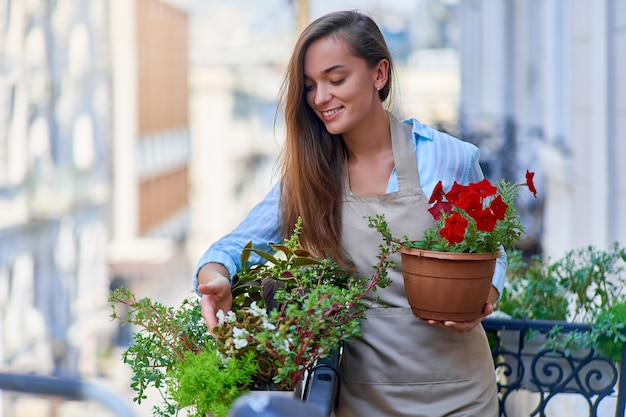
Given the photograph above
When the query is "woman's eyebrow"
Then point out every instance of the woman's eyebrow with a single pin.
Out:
(328, 70)
(331, 69)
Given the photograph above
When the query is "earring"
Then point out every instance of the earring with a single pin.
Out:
(377, 88)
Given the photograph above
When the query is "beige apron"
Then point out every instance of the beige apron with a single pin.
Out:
(402, 366)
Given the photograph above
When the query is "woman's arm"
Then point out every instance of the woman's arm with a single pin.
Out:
(214, 271)
(260, 226)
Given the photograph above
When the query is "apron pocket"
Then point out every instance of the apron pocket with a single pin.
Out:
(398, 348)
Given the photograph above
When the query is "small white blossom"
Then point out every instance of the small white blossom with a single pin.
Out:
(231, 317)
(225, 359)
(240, 333)
(257, 311)
(267, 325)
(286, 346)
(240, 337)
(240, 343)
(220, 317)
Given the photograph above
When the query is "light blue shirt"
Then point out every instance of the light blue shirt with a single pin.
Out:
(439, 157)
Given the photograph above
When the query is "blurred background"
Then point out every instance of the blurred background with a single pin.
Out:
(134, 133)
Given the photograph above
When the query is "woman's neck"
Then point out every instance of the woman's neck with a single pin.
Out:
(370, 157)
(370, 139)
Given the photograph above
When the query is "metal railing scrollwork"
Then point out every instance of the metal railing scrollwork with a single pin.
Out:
(522, 362)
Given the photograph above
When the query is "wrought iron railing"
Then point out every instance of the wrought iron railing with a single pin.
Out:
(547, 372)
(550, 372)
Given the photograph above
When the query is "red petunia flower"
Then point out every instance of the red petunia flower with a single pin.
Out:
(455, 191)
(529, 182)
(485, 221)
(470, 202)
(483, 188)
(454, 229)
(439, 208)
(437, 194)
(498, 207)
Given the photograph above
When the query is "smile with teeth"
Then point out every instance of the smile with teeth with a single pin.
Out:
(330, 112)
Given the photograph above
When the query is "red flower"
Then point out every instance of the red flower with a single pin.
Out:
(478, 217)
(483, 188)
(455, 191)
(529, 182)
(485, 221)
(470, 202)
(498, 207)
(437, 194)
(439, 208)
(454, 228)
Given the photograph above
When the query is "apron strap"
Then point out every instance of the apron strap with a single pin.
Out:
(403, 153)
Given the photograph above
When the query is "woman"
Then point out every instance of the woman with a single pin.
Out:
(346, 157)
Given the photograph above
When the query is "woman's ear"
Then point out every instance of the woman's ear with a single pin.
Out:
(381, 74)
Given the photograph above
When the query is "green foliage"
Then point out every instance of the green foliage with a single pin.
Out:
(609, 331)
(584, 286)
(165, 336)
(208, 385)
(532, 290)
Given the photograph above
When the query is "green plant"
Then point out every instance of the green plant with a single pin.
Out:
(609, 331)
(196, 384)
(532, 290)
(287, 313)
(166, 337)
(584, 286)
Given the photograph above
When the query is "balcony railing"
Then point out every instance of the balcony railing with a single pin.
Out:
(550, 373)
(547, 372)
(69, 388)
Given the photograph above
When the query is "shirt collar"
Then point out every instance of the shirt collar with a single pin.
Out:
(419, 129)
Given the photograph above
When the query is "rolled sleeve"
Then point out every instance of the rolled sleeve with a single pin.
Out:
(260, 226)
(499, 275)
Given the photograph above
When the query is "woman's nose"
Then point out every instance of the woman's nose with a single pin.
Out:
(322, 95)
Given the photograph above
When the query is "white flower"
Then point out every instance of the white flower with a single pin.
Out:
(240, 343)
(225, 359)
(267, 325)
(257, 311)
(286, 346)
(240, 333)
(231, 317)
(220, 317)
(240, 337)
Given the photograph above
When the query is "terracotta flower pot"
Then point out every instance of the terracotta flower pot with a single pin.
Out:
(447, 286)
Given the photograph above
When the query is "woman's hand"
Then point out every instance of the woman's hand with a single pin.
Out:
(214, 285)
(467, 326)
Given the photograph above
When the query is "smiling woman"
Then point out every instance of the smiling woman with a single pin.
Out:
(346, 157)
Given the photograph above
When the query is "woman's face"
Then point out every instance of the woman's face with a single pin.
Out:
(339, 86)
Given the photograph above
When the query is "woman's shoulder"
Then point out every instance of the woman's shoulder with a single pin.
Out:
(428, 137)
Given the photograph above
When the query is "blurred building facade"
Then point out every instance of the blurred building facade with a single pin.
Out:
(151, 145)
(54, 183)
(542, 90)
(94, 147)
(234, 84)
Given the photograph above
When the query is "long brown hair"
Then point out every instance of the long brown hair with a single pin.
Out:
(313, 161)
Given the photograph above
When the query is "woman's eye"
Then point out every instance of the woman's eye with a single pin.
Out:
(308, 88)
(338, 82)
